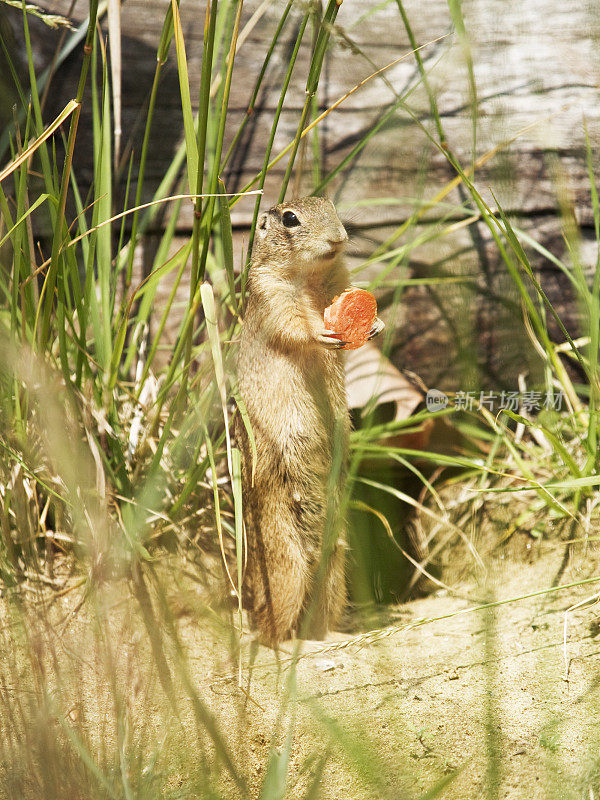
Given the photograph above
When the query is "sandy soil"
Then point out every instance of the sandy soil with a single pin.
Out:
(435, 695)
(427, 699)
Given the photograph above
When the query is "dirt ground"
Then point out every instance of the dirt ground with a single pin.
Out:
(416, 694)
(442, 687)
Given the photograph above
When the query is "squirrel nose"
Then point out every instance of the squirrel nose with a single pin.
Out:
(341, 237)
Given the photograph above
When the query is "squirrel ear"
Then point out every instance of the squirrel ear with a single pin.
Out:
(263, 224)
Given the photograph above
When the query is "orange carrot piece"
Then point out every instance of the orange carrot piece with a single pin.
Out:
(352, 315)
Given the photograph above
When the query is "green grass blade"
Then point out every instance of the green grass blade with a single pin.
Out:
(239, 401)
(259, 81)
(274, 784)
(227, 243)
(71, 106)
(52, 274)
(218, 149)
(594, 320)
(161, 57)
(236, 485)
(455, 7)
(41, 199)
(103, 208)
(421, 67)
(266, 162)
(191, 147)
(312, 83)
(212, 328)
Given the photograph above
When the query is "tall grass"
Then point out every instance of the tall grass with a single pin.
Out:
(119, 476)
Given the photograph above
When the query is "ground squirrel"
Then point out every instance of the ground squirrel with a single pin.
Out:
(291, 377)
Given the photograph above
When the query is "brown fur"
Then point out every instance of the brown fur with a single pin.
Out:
(292, 381)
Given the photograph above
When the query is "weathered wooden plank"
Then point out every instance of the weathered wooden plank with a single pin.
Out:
(528, 67)
(536, 68)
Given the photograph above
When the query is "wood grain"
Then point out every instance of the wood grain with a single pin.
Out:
(536, 69)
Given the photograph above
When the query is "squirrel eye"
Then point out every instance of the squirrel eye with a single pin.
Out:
(289, 219)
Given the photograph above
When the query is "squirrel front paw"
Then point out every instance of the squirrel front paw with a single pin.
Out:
(330, 339)
(378, 326)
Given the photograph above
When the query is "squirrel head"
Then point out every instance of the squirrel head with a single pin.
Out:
(303, 234)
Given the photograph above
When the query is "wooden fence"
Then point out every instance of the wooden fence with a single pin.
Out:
(536, 70)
